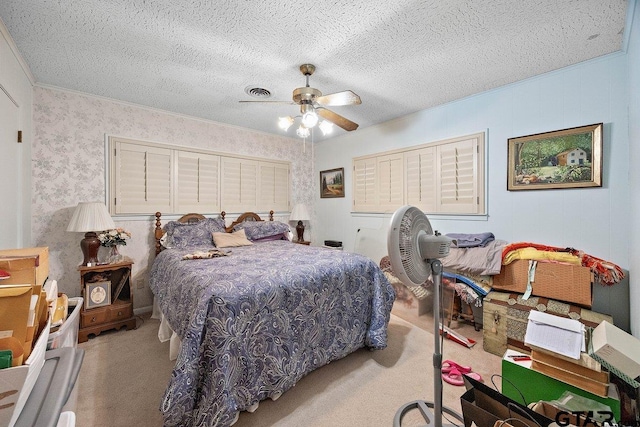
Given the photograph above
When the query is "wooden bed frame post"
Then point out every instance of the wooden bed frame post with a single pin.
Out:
(158, 232)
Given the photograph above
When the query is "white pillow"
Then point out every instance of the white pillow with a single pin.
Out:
(228, 240)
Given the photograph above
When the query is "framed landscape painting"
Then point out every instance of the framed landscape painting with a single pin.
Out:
(332, 183)
(567, 158)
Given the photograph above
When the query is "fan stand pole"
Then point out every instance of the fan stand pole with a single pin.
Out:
(433, 419)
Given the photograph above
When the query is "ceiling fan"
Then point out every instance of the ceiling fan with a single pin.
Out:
(313, 104)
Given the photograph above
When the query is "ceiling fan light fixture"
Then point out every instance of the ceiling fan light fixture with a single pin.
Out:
(309, 116)
(285, 123)
(326, 127)
(310, 119)
(303, 132)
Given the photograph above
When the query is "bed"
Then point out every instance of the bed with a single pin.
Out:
(253, 319)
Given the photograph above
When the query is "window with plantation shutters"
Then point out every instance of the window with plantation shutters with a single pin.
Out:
(444, 177)
(147, 177)
(197, 182)
(142, 178)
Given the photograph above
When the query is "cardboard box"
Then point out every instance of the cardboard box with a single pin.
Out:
(15, 301)
(16, 383)
(520, 381)
(616, 349)
(26, 266)
(570, 283)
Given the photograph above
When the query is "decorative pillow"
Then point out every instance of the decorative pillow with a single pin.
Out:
(257, 230)
(228, 240)
(180, 235)
(281, 236)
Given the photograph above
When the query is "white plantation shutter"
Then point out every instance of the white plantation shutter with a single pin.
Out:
(281, 195)
(273, 187)
(197, 182)
(142, 179)
(365, 198)
(421, 178)
(457, 165)
(240, 184)
(390, 182)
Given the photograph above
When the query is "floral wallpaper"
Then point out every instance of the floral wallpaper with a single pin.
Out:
(68, 166)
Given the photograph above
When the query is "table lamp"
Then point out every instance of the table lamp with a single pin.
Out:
(89, 217)
(300, 213)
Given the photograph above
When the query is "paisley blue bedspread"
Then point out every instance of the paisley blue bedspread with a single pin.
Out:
(255, 322)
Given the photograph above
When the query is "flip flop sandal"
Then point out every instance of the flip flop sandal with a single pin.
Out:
(448, 365)
(453, 377)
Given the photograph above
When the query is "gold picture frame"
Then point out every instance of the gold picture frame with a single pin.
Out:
(567, 158)
(97, 294)
(332, 183)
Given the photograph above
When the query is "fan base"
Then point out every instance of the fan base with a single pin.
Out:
(427, 414)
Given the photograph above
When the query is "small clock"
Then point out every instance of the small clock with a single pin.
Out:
(97, 294)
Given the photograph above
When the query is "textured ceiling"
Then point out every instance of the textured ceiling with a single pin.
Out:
(197, 57)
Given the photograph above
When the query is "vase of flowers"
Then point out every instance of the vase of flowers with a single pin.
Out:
(112, 239)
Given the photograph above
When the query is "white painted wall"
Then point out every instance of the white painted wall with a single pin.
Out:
(593, 220)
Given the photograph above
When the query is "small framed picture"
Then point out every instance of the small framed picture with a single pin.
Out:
(332, 183)
(97, 294)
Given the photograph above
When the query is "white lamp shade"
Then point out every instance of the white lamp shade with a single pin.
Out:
(90, 216)
(299, 213)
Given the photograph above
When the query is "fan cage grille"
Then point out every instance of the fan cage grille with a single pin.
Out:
(413, 224)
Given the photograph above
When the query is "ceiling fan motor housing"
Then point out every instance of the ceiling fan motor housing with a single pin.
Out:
(308, 94)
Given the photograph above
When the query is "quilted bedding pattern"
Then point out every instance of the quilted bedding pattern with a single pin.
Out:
(254, 322)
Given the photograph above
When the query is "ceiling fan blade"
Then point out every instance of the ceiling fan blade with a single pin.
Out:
(337, 119)
(273, 102)
(339, 98)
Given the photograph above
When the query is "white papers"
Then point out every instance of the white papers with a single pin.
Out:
(555, 333)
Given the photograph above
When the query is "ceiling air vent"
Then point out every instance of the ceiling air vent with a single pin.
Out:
(257, 92)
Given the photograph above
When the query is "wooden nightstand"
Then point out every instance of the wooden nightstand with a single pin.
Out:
(116, 310)
(304, 242)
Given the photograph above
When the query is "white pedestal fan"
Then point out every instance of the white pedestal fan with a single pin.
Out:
(414, 250)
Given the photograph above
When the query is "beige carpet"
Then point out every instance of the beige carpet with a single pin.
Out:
(125, 373)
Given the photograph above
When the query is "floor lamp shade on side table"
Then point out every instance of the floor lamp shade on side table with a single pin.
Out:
(89, 217)
(300, 213)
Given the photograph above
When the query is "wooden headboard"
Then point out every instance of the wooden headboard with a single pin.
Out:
(191, 218)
